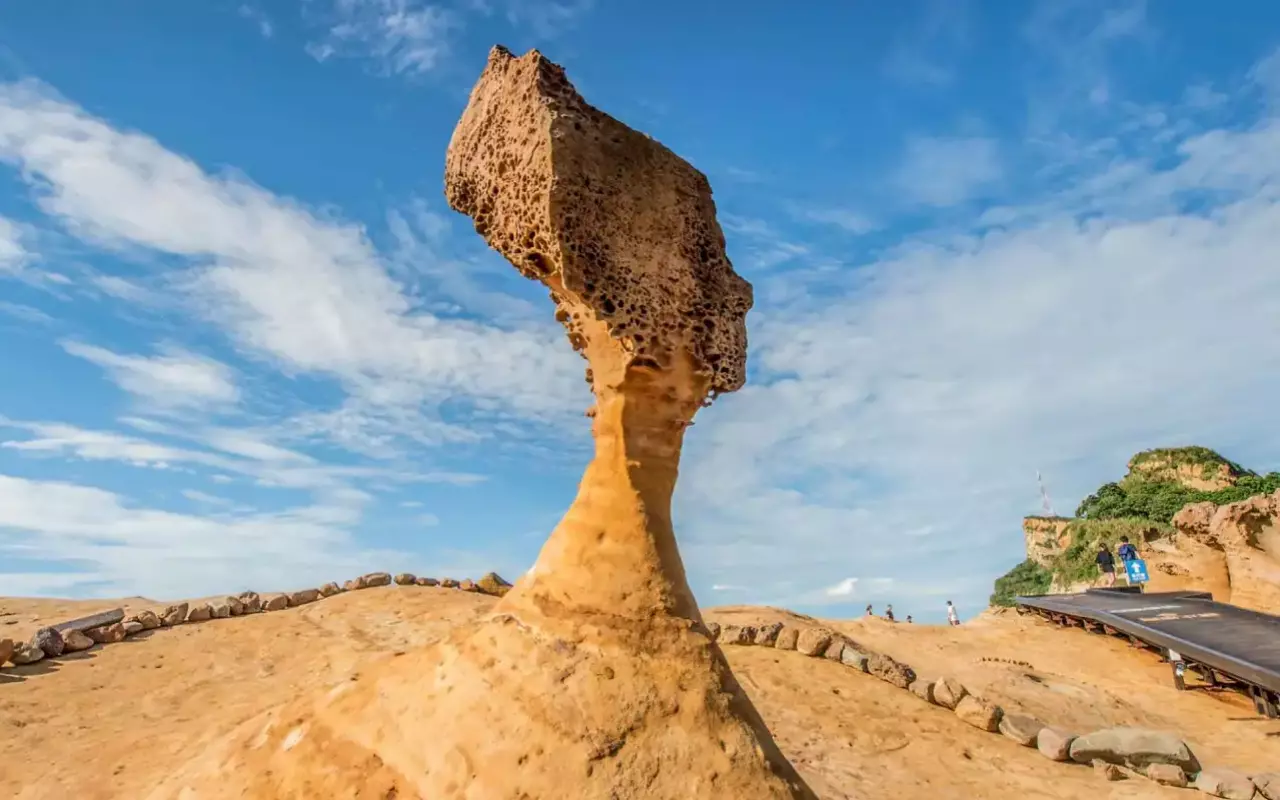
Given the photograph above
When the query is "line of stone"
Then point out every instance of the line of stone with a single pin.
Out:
(1116, 753)
(110, 627)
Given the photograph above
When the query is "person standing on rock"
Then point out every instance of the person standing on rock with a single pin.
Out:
(952, 617)
(1106, 564)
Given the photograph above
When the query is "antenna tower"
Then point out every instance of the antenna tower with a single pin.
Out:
(1044, 497)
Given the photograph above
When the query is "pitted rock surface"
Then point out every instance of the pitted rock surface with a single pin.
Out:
(621, 229)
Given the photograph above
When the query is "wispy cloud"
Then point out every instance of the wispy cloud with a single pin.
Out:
(259, 18)
(846, 219)
(174, 378)
(400, 37)
(546, 18)
(922, 55)
(12, 252)
(308, 293)
(942, 171)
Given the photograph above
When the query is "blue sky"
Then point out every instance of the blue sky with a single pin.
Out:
(246, 344)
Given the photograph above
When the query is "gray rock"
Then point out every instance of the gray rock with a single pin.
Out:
(330, 589)
(234, 603)
(303, 597)
(1134, 747)
(24, 653)
(787, 638)
(1055, 744)
(375, 579)
(1023, 729)
(74, 641)
(1225, 783)
(854, 657)
(50, 641)
(1166, 775)
(406, 579)
(767, 635)
(251, 601)
(200, 613)
(221, 609)
(981, 715)
(1268, 784)
(276, 602)
(133, 626)
(948, 692)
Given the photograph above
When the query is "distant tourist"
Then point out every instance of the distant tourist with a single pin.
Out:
(909, 620)
(1127, 553)
(888, 613)
(952, 617)
(1106, 564)
(870, 613)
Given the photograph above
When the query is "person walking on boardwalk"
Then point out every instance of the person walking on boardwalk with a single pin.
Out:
(952, 617)
(1106, 564)
(1127, 553)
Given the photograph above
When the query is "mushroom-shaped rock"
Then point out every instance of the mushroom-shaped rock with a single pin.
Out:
(596, 661)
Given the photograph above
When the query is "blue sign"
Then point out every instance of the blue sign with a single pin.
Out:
(1137, 571)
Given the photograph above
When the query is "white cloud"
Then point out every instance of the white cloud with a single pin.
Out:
(197, 496)
(259, 18)
(844, 588)
(310, 293)
(12, 252)
(120, 548)
(943, 172)
(846, 219)
(175, 378)
(25, 313)
(1266, 74)
(899, 410)
(546, 18)
(403, 37)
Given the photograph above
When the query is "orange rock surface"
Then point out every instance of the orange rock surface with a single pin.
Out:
(595, 676)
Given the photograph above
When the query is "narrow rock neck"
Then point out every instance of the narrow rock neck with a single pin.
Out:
(614, 553)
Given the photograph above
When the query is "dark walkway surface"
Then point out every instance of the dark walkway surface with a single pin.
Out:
(1235, 641)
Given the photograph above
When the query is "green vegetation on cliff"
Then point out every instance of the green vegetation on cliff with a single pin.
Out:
(1028, 578)
(1158, 501)
(1141, 506)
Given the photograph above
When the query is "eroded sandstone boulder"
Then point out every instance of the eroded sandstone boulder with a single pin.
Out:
(421, 581)
(175, 614)
(979, 713)
(200, 613)
(813, 641)
(767, 635)
(1166, 775)
(375, 579)
(251, 601)
(74, 641)
(107, 634)
(1055, 743)
(787, 638)
(1135, 748)
(405, 579)
(493, 584)
(922, 689)
(1022, 728)
(1225, 783)
(889, 670)
(303, 597)
(330, 589)
(595, 663)
(276, 602)
(448, 583)
(50, 641)
(6, 650)
(148, 619)
(948, 692)
(133, 626)
(25, 653)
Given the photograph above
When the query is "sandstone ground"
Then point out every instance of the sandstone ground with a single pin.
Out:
(112, 721)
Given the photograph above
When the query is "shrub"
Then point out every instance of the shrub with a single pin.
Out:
(1025, 579)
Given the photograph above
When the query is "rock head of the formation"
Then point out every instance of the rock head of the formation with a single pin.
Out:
(595, 676)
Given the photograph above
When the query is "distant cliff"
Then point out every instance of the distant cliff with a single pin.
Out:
(1147, 505)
